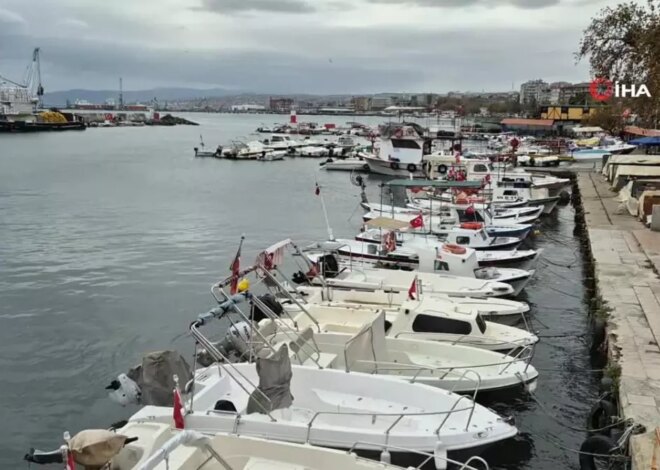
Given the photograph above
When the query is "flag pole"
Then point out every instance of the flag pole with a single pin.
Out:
(331, 237)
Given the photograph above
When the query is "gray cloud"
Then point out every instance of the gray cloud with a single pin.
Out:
(329, 52)
(526, 4)
(242, 6)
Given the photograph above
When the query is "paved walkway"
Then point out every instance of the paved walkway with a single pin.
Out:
(627, 260)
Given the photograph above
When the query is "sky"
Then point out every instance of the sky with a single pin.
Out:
(296, 46)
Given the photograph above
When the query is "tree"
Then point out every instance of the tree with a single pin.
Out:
(623, 44)
(608, 118)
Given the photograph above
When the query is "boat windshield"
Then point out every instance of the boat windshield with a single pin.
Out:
(484, 235)
(481, 323)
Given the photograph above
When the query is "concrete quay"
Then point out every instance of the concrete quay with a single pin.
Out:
(626, 258)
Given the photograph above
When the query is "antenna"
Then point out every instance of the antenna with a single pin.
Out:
(121, 93)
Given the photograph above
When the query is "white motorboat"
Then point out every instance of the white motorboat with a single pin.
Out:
(345, 164)
(426, 319)
(441, 222)
(461, 369)
(462, 261)
(508, 197)
(325, 290)
(469, 234)
(282, 142)
(361, 254)
(144, 445)
(400, 153)
(314, 151)
(457, 236)
(481, 211)
(330, 408)
(160, 447)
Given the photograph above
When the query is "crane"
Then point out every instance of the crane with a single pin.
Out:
(31, 79)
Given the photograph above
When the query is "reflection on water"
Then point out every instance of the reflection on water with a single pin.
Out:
(110, 239)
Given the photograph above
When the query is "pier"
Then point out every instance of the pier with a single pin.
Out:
(626, 258)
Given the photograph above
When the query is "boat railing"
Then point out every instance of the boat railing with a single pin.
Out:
(180, 439)
(267, 277)
(467, 465)
(292, 334)
(225, 364)
(523, 354)
(398, 417)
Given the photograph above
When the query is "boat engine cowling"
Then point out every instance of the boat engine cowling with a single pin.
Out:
(234, 346)
(152, 381)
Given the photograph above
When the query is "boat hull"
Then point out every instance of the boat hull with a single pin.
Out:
(382, 167)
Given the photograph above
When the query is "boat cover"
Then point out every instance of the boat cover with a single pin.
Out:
(95, 447)
(155, 376)
(274, 390)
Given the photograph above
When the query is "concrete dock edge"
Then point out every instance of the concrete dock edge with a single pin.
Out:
(625, 256)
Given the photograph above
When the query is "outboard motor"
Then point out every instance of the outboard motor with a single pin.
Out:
(45, 458)
(124, 391)
(234, 346)
(151, 382)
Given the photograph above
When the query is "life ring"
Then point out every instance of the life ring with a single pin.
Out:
(455, 249)
(442, 169)
(597, 444)
(412, 168)
(472, 225)
(462, 201)
(394, 165)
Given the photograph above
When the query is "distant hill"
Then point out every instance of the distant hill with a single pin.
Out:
(59, 98)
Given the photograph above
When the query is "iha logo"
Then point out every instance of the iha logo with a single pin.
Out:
(602, 89)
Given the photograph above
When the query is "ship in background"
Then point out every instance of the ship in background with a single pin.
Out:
(20, 104)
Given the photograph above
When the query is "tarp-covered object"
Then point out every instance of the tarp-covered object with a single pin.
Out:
(274, 382)
(95, 447)
(155, 376)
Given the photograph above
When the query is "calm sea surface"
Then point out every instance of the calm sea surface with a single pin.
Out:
(111, 238)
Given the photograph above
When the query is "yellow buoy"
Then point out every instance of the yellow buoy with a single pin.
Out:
(243, 285)
(537, 232)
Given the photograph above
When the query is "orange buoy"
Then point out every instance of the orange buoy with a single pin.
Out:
(455, 249)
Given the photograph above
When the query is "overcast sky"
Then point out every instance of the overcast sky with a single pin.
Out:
(283, 46)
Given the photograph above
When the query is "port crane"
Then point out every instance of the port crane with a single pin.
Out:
(31, 83)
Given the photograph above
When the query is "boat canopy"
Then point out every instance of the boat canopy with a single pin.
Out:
(408, 183)
(387, 223)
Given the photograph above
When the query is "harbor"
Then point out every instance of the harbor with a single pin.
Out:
(178, 248)
(301, 235)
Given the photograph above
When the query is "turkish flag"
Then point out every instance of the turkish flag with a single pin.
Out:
(413, 289)
(177, 412)
(417, 222)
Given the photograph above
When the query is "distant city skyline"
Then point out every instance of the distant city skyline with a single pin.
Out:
(297, 46)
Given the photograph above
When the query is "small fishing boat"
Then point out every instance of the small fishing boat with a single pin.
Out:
(461, 237)
(151, 446)
(442, 223)
(345, 164)
(201, 150)
(462, 369)
(472, 234)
